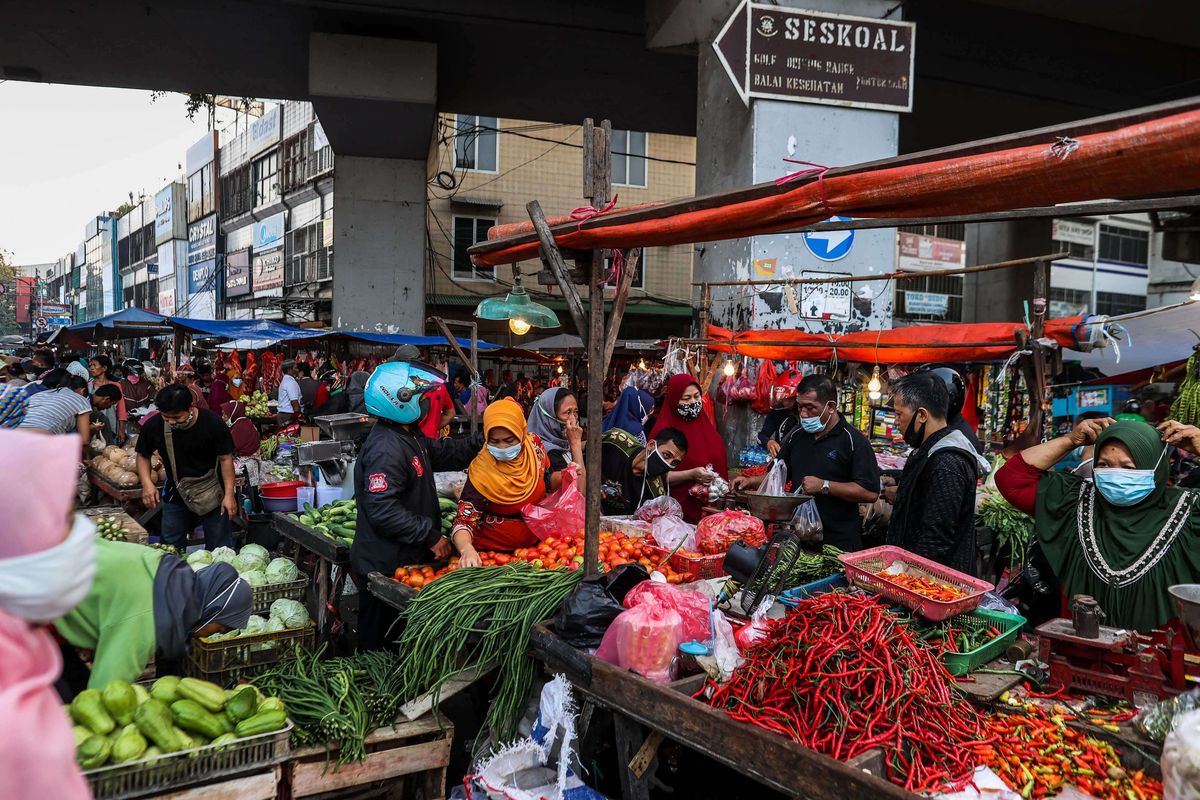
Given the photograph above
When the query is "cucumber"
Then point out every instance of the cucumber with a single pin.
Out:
(307, 520)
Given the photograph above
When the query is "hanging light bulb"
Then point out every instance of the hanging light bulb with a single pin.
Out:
(518, 326)
(641, 363)
(873, 385)
(560, 369)
(729, 369)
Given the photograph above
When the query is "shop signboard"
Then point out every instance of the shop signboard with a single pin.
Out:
(201, 153)
(805, 56)
(264, 132)
(1073, 232)
(829, 301)
(202, 240)
(167, 224)
(268, 270)
(919, 253)
(166, 301)
(268, 233)
(237, 273)
(55, 309)
(200, 276)
(931, 303)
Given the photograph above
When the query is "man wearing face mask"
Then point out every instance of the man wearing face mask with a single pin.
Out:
(829, 459)
(634, 473)
(934, 513)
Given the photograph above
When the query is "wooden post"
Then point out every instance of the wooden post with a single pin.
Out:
(552, 259)
(597, 181)
(1037, 324)
(472, 362)
(618, 311)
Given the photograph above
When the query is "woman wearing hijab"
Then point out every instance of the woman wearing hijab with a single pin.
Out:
(554, 419)
(1122, 537)
(684, 410)
(101, 368)
(354, 392)
(47, 563)
(218, 390)
(146, 604)
(246, 438)
(510, 472)
(632, 409)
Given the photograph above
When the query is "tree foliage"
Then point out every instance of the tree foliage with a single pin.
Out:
(8, 300)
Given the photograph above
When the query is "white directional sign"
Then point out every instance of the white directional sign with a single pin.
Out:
(830, 245)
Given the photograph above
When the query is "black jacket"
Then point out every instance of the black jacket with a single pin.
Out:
(934, 515)
(398, 515)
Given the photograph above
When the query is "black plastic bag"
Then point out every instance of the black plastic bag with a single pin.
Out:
(585, 614)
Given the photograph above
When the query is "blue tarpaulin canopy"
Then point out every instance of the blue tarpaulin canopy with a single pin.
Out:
(262, 329)
(110, 322)
(398, 339)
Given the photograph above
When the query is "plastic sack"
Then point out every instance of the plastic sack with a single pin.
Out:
(807, 522)
(1159, 719)
(776, 480)
(663, 506)
(693, 607)
(716, 532)
(1181, 759)
(670, 532)
(644, 639)
(762, 387)
(725, 650)
(753, 630)
(559, 513)
(585, 614)
(449, 484)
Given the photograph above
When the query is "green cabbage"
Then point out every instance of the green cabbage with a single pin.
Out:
(255, 577)
(254, 625)
(274, 625)
(248, 561)
(225, 554)
(202, 557)
(281, 570)
(256, 549)
(291, 612)
(197, 567)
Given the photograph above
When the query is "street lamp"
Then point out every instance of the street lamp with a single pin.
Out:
(518, 308)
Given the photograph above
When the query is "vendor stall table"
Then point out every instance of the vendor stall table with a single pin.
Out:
(118, 493)
(260, 786)
(390, 591)
(329, 554)
(137, 534)
(669, 710)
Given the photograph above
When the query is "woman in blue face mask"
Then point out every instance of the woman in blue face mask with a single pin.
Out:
(1123, 537)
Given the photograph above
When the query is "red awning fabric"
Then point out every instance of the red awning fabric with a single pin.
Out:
(984, 341)
(1152, 157)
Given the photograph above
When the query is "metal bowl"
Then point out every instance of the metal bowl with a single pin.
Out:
(773, 508)
(1187, 603)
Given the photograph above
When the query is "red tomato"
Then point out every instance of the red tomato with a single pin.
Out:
(502, 559)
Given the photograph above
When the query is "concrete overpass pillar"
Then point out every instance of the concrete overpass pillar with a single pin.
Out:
(376, 99)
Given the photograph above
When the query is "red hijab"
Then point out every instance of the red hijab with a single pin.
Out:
(705, 445)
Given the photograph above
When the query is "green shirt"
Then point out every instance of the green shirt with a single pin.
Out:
(116, 619)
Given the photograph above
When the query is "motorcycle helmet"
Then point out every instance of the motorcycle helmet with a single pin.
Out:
(783, 389)
(398, 391)
(954, 385)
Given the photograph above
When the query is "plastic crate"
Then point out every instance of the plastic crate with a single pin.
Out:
(263, 596)
(230, 660)
(861, 569)
(173, 770)
(1009, 626)
(792, 597)
(701, 568)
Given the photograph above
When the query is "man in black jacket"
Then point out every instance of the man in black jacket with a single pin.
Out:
(399, 522)
(934, 514)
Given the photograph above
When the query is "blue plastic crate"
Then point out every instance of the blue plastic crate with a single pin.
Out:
(792, 596)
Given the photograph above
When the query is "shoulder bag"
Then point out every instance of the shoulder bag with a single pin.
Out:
(203, 494)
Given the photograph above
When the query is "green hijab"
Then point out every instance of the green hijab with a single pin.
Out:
(1125, 557)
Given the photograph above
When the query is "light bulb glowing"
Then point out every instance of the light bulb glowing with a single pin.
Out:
(873, 385)
(560, 369)
(518, 326)
(729, 369)
(641, 363)
(874, 395)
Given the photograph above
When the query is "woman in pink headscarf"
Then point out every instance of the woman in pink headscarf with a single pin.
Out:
(47, 562)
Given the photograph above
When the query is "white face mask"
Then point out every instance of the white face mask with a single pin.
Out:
(43, 586)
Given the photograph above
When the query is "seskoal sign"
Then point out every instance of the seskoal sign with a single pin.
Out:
(807, 56)
(237, 273)
(268, 270)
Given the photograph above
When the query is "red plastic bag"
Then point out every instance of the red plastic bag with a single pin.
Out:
(766, 380)
(560, 513)
(644, 639)
(692, 607)
(716, 532)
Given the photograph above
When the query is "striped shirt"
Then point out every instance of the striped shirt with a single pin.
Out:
(55, 410)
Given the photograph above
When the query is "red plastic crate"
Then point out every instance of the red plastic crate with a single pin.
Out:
(701, 568)
(861, 569)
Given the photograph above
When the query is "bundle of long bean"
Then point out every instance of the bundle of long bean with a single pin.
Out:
(808, 567)
(1014, 528)
(470, 618)
(843, 674)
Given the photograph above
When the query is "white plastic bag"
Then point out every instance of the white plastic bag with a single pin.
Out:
(668, 532)
(1181, 759)
(449, 484)
(776, 480)
(807, 522)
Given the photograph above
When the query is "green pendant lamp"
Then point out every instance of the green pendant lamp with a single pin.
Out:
(519, 309)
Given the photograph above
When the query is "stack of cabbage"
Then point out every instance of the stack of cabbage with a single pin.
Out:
(253, 563)
(125, 723)
(284, 615)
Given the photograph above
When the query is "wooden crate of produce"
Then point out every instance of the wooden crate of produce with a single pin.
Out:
(411, 757)
(137, 534)
(260, 786)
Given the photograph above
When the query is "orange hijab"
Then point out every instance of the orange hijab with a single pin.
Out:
(507, 483)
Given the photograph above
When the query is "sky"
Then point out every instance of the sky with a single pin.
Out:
(68, 153)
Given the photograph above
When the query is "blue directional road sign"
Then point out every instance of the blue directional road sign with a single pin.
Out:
(830, 245)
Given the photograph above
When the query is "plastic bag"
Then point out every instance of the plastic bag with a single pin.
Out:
(807, 522)
(663, 506)
(449, 484)
(725, 649)
(762, 387)
(559, 513)
(693, 607)
(668, 532)
(1181, 759)
(643, 638)
(716, 532)
(585, 614)
(1158, 720)
(776, 480)
(753, 630)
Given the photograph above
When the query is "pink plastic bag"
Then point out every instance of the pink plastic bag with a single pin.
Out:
(644, 639)
(716, 532)
(560, 513)
(692, 607)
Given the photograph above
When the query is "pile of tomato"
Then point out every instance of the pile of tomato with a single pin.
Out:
(565, 552)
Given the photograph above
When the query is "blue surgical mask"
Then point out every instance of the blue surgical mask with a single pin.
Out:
(505, 453)
(1077, 453)
(813, 424)
(1125, 487)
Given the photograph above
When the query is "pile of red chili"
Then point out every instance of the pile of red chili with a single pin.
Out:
(843, 674)
(926, 587)
(1037, 755)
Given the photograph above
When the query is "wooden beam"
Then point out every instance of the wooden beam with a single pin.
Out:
(899, 276)
(597, 187)
(552, 259)
(618, 309)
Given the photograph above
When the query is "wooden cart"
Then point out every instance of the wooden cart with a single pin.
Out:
(329, 554)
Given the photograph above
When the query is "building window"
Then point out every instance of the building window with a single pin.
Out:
(1068, 302)
(469, 231)
(943, 230)
(629, 158)
(476, 143)
(639, 280)
(1112, 304)
(266, 179)
(200, 195)
(1124, 246)
(949, 285)
(237, 194)
(307, 258)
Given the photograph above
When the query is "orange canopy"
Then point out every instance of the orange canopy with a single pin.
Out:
(920, 344)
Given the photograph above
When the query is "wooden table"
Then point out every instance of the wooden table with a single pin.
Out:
(137, 534)
(390, 591)
(669, 711)
(329, 554)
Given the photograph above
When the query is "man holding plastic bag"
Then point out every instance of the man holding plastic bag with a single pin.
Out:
(831, 460)
(633, 473)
